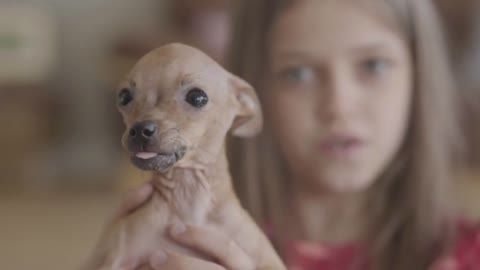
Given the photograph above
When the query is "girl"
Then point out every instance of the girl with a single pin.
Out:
(359, 100)
(353, 169)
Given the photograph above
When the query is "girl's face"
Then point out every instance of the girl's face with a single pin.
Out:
(339, 89)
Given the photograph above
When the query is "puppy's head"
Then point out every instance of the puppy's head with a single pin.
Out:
(178, 104)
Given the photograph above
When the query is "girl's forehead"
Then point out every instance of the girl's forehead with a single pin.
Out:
(335, 23)
(306, 15)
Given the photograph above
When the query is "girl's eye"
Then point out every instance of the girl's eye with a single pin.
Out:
(374, 66)
(125, 97)
(300, 74)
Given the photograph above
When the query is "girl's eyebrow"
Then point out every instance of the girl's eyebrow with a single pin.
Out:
(293, 55)
(309, 53)
(371, 48)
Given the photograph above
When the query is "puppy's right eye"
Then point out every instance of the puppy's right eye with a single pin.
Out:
(197, 98)
(125, 97)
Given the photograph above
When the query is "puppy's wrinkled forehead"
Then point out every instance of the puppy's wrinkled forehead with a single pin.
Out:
(176, 64)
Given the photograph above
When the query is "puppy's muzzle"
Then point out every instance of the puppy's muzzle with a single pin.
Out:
(153, 149)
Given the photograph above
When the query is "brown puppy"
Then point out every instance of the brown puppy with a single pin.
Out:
(178, 105)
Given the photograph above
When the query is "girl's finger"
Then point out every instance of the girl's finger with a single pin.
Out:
(213, 244)
(172, 261)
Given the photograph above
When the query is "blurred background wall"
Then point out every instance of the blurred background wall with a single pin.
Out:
(462, 22)
(61, 165)
(69, 99)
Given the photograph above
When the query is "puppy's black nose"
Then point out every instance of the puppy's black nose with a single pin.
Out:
(143, 130)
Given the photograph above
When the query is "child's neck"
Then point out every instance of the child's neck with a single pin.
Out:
(330, 218)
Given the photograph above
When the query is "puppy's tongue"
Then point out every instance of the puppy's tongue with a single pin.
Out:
(146, 155)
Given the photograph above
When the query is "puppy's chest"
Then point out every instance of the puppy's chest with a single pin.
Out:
(192, 208)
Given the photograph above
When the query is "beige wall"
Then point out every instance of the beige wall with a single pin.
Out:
(87, 32)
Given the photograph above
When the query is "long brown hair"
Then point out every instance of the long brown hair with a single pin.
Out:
(410, 216)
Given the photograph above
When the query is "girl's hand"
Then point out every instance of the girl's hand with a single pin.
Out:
(225, 253)
(132, 201)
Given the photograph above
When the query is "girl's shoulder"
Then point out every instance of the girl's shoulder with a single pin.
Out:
(465, 254)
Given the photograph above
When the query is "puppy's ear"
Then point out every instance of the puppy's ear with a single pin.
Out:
(248, 121)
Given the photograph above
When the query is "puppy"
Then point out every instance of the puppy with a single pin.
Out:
(178, 106)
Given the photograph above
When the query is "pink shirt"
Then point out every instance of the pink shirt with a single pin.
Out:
(308, 256)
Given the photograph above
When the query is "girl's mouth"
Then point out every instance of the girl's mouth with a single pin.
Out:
(341, 146)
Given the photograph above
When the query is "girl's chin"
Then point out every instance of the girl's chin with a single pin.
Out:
(343, 183)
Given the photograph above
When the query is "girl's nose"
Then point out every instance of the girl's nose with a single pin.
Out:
(338, 99)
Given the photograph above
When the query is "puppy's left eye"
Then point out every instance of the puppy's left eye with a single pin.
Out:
(125, 97)
(197, 98)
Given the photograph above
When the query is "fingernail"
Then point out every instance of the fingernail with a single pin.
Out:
(158, 259)
(177, 228)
